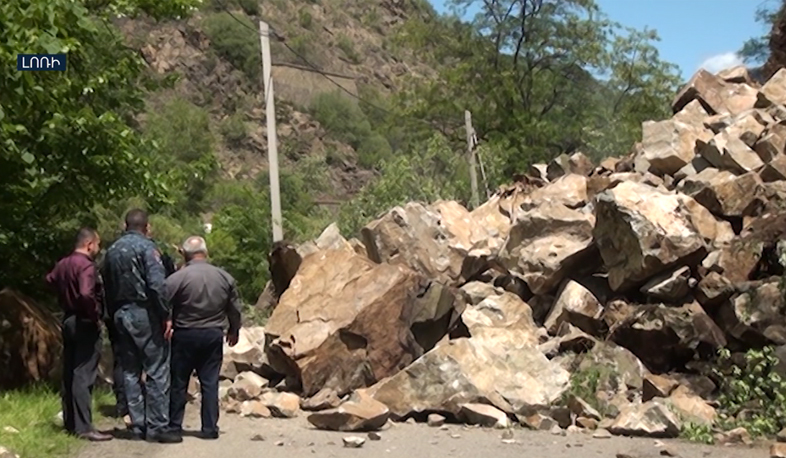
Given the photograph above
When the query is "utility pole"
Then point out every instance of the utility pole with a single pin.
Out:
(272, 138)
(473, 177)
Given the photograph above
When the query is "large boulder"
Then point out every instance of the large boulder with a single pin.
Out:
(346, 322)
(749, 126)
(756, 316)
(642, 231)
(772, 142)
(665, 338)
(617, 370)
(563, 164)
(716, 95)
(738, 74)
(433, 242)
(728, 152)
(576, 305)
(753, 254)
(671, 145)
(493, 317)
(650, 419)
(516, 380)
(726, 194)
(569, 190)
(360, 413)
(248, 355)
(774, 91)
(30, 342)
(775, 170)
(705, 87)
(545, 243)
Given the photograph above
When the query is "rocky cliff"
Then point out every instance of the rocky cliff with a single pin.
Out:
(330, 46)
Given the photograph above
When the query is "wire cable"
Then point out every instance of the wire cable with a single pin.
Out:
(321, 72)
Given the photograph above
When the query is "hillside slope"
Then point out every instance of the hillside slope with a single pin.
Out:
(215, 59)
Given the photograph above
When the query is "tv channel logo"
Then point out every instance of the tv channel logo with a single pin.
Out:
(41, 62)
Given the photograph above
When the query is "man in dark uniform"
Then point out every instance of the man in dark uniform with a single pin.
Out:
(74, 278)
(136, 297)
(118, 388)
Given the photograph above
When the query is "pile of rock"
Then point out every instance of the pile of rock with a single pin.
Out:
(634, 273)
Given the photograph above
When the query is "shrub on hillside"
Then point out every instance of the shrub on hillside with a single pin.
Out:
(348, 48)
(181, 129)
(235, 41)
(234, 129)
(346, 122)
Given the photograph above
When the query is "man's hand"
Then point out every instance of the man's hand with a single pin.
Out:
(232, 339)
(168, 330)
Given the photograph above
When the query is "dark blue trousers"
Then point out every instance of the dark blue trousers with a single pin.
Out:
(199, 350)
(143, 348)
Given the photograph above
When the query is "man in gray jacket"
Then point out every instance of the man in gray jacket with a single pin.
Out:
(204, 302)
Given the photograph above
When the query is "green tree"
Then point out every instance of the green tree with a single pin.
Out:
(67, 141)
(538, 76)
(757, 50)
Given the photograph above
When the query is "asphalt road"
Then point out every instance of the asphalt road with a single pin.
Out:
(294, 438)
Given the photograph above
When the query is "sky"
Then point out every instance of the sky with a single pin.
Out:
(694, 33)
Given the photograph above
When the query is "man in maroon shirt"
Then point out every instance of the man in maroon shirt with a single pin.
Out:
(74, 279)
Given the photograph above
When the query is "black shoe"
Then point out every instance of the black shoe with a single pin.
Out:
(95, 436)
(129, 434)
(212, 435)
(164, 438)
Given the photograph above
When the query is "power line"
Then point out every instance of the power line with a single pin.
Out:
(326, 76)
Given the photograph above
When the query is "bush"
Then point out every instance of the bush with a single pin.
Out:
(234, 129)
(237, 44)
(348, 48)
(304, 18)
(301, 44)
(340, 117)
(372, 150)
(752, 393)
(250, 7)
(431, 173)
(241, 235)
(181, 129)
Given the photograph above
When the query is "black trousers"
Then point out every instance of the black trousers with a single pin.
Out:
(199, 350)
(118, 387)
(81, 352)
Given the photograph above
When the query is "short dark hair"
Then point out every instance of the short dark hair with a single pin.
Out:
(136, 220)
(85, 236)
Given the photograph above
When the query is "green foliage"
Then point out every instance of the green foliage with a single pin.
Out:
(694, 432)
(181, 129)
(756, 50)
(752, 393)
(302, 45)
(235, 41)
(529, 72)
(304, 18)
(250, 7)
(346, 122)
(432, 172)
(241, 236)
(67, 142)
(32, 412)
(234, 129)
(348, 48)
(586, 382)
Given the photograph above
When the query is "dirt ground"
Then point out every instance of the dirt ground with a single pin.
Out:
(293, 438)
